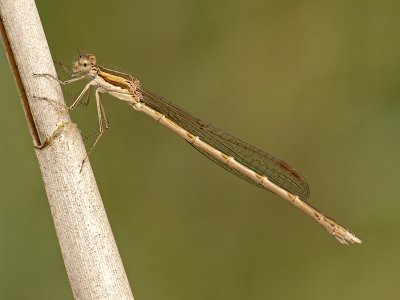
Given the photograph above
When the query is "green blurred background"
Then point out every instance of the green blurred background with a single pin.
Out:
(314, 82)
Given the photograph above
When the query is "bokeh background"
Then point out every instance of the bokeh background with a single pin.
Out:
(314, 82)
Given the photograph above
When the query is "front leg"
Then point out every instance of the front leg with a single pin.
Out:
(76, 101)
(85, 89)
(66, 82)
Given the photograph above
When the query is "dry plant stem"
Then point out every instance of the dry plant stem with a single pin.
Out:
(91, 257)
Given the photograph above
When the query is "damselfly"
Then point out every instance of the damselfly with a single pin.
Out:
(249, 163)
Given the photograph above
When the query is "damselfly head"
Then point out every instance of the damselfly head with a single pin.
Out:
(83, 64)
